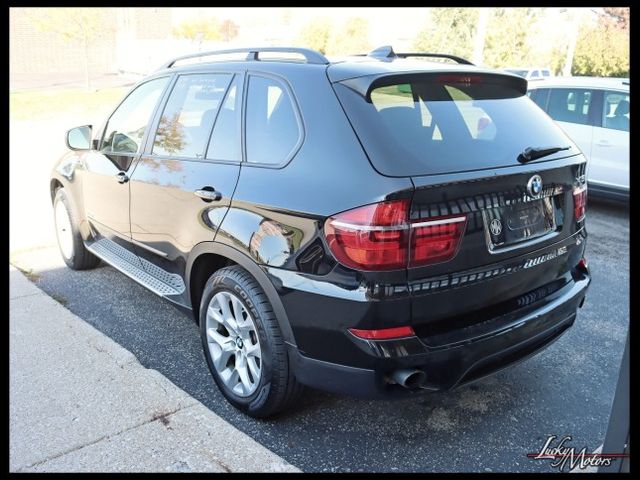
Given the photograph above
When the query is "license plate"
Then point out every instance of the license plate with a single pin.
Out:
(518, 222)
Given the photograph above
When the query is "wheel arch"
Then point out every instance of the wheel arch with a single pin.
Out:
(223, 255)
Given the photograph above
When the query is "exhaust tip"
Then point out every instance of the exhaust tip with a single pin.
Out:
(409, 378)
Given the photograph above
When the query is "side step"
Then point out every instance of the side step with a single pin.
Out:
(142, 271)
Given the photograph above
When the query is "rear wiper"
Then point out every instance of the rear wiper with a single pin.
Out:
(533, 153)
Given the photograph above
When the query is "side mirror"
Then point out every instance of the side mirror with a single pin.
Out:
(79, 138)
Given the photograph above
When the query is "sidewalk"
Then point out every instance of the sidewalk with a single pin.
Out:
(79, 402)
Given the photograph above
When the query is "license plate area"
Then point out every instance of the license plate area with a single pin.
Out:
(512, 224)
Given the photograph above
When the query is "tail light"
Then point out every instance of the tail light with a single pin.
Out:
(580, 202)
(381, 237)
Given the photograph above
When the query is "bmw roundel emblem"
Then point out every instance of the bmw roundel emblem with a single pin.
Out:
(534, 186)
(496, 227)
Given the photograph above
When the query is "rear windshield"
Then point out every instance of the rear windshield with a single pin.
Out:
(425, 127)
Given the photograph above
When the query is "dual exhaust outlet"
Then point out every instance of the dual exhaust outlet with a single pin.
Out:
(410, 378)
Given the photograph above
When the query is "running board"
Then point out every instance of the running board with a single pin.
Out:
(147, 274)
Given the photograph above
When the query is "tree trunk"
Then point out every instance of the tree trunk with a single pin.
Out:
(566, 71)
(478, 47)
(87, 79)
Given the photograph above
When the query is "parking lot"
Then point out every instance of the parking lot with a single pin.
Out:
(487, 426)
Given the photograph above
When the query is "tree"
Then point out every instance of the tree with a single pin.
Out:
(351, 38)
(449, 30)
(512, 33)
(315, 34)
(84, 25)
(228, 30)
(199, 30)
(617, 15)
(603, 49)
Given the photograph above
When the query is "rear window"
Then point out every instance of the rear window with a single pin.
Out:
(434, 127)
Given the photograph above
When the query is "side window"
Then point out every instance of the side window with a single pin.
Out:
(535, 74)
(570, 105)
(546, 73)
(225, 139)
(187, 118)
(540, 96)
(615, 114)
(272, 130)
(125, 129)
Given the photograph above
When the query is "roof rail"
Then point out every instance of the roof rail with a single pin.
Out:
(311, 56)
(387, 52)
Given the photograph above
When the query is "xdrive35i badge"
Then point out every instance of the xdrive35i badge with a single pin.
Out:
(534, 186)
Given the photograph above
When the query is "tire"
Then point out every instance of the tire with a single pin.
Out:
(70, 243)
(275, 387)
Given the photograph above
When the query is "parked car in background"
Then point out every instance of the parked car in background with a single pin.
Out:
(594, 112)
(530, 73)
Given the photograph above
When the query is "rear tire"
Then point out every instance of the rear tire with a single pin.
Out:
(252, 343)
(70, 243)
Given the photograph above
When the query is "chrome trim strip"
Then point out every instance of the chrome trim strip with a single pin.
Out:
(444, 221)
(369, 228)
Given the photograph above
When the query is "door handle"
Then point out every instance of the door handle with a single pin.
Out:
(122, 177)
(208, 194)
(603, 143)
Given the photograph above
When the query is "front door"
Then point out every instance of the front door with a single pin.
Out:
(107, 170)
(182, 186)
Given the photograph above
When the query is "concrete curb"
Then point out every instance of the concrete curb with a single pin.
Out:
(79, 402)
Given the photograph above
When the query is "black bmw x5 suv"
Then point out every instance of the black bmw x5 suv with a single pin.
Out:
(375, 226)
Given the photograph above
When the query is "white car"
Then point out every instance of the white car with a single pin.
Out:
(530, 73)
(594, 113)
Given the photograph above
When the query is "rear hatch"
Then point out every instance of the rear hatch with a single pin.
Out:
(495, 180)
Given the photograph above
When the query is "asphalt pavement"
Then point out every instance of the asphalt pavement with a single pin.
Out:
(488, 426)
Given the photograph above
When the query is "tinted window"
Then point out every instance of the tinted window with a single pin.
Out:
(615, 113)
(125, 129)
(188, 117)
(225, 139)
(570, 105)
(540, 97)
(272, 129)
(435, 126)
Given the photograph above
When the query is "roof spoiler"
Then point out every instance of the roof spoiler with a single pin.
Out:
(366, 84)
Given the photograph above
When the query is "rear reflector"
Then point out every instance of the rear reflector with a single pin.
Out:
(583, 265)
(580, 202)
(383, 334)
(381, 237)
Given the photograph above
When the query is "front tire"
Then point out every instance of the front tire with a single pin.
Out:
(243, 344)
(70, 243)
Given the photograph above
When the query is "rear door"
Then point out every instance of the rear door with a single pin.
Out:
(610, 152)
(572, 108)
(183, 184)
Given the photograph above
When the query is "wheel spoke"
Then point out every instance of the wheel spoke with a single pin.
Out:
(238, 308)
(253, 350)
(253, 368)
(241, 367)
(215, 314)
(226, 343)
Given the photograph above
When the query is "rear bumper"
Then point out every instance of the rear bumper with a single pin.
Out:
(448, 366)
